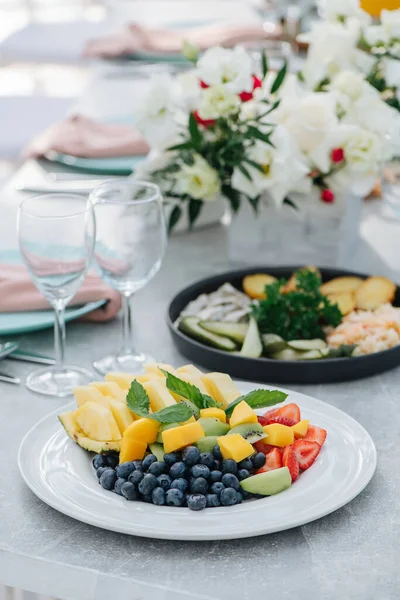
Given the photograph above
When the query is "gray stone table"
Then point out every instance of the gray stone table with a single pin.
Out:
(351, 554)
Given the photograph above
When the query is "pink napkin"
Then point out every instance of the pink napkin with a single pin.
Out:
(19, 294)
(81, 136)
(134, 38)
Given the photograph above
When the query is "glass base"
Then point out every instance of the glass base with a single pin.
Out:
(127, 363)
(57, 382)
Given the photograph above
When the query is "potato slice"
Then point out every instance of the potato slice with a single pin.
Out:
(341, 284)
(374, 292)
(345, 301)
(254, 285)
(291, 284)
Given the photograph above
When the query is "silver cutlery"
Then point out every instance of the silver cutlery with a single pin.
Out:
(7, 348)
(33, 357)
(9, 379)
(77, 186)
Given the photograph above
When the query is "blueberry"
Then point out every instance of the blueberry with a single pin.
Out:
(164, 481)
(171, 458)
(191, 456)
(158, 496)
(196, 501)
(108, 479)
(112, 460)
(228, 497)
(246, 495)
(212, 500)
(217, 487)
(215, 476)
(125, 469)
(136, 477)
(148, 484)
(259, 460)
(239, 498)
(180, 484)
(199, 486)
(100, 471)
(217, 452)
(229, 466)
(148, 460)
(129, 491)
(99, 461)
(118, 485)
(218, 465)
(178, 470)
(231, 481)
(207, 459)
(246, 464)
(200, 471)
(174, 497)
(158, 468)
(138, 465)
(243, 474)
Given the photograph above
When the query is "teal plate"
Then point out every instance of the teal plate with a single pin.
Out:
(116, 165)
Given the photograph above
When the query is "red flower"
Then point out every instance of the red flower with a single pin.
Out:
(246, 96)
(203, 85)
(337, 155)
(203, 122)
(327, 196)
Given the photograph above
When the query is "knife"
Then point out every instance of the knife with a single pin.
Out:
(79, 186)
(32, 357)
(9, 379)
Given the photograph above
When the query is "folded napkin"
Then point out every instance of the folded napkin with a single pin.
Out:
(134, 38)
(19, 294)
(81, 136)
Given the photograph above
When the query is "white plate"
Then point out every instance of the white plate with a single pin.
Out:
(60, 473)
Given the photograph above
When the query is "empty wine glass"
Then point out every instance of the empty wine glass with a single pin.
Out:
(131, 238)
(56, 237)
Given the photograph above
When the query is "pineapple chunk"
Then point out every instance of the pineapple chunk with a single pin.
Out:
(159, 396)
(217, 413)
(109, 388)
(278, 435)
(132, 449)
(242, 413)
(234, 446)
(144, 430)
(85, 393)
(124, 380)
(68, 421)
(154, 368)
(220, 387)
(300, 429)
(189, 370)
(97, 422)
(179, 437)
(194, 380)
(120, 411)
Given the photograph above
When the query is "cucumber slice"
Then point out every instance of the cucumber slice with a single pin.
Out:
(252, 346)
(233, 331)
(190, 326)
(287, 354)
(313, 354)
(304, 345)
(272, 343)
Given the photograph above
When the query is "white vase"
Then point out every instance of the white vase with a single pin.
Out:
(317, 233)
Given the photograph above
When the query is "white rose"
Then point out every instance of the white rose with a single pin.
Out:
(199, 180)
(375, 35)
(341, 10)
(363, 151)
(348, 83)
(188, 90)
(218, 101)
(390, 20)
(392, 71)
(371, 112)
(155, 116)
(232, 68)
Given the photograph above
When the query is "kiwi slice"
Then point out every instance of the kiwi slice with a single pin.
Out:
(158, 451)
(206, 444)
(213, 426)
(268, 483)
(252, 432)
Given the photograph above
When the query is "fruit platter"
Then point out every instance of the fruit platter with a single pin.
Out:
(290, 324)
(151, 454)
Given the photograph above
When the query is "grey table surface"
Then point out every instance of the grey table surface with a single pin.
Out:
(350, 554)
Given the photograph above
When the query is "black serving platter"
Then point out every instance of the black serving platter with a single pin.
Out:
(267, 370)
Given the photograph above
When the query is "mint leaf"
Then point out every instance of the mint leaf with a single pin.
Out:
(138, 400)
(172, 414)
(189, 391)
(258, 399)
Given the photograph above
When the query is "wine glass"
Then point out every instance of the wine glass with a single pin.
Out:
(56, 235)
(131, 238)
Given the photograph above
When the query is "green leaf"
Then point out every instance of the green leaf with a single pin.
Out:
(264, 63)
(138, 400)
(174, 217)
(258, 399)
(233, 197)
(183, 146)
(259, 135)
(290, 202)
(245, 172)
(178, 413)
(194, 131)
(279, 79)
(189, 391)
(195, 207)
(254, 203)
(254, 164)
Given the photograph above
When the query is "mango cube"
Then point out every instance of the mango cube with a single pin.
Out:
(300, 429)
(234, 446)
(278, 435)
(109, 388)
(242, 413)
(158, 394)
(179, 437)
(217, 413)
(189, 370)
(131, 449)
(124, 380)
(220, 387)
(143, 430)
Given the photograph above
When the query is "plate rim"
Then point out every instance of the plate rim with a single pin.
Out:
(59, 505)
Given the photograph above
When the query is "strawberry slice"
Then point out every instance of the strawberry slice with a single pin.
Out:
(261, 447)
(290, 411)
(306, 452)
(289, 460)
(278, 419)
(262, 420)
(316, 434)
(273, 460)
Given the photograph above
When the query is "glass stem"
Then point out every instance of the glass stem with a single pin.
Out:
(59, 336)
(127, 324)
